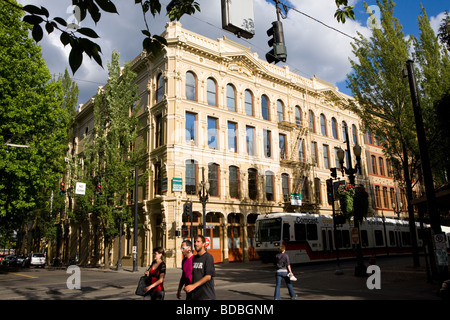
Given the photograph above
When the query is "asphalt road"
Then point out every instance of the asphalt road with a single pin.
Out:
(235, 281)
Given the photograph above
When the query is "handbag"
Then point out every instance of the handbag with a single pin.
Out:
(141, 285)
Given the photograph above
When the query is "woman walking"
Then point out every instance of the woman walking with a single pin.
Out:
(155, 274)
(284, 271)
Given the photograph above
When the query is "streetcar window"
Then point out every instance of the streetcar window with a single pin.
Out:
(306, 232)
(300, 231)
(311, 232)
(378, 237)
(269, 230)
(392, 238)
(406, 238)
(364, 238)
(286, 233)
(346, 238)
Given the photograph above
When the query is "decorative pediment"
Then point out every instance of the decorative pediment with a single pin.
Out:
(240, 68)
(243, 63)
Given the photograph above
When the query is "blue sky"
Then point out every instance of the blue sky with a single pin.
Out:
(313, 49)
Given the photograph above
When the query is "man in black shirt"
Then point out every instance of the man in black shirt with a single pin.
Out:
(203, 273)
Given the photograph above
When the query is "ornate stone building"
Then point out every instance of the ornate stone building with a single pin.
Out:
(257, 131)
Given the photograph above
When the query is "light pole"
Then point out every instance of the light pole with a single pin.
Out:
(203, 195)
(360, 269)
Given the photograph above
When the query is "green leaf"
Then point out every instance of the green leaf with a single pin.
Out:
(61, 21)
(75, 58)
(64, 38)
(37, 33)
(88, 32)
(49, 27)
(32, 19)
(107, 6)
(33, 9)
(146, 33)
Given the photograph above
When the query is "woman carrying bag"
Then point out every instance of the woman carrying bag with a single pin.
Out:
(284, 271)
(155, 274)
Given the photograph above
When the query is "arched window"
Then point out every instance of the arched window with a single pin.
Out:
(334, 129)
(248, 103)
(211, 89)
(323, 125)
(354, 134)
(213, 179)
(312, 127)
(280, 110)
(191, 86)
(159, 87)
(231, 97)
(191, 176)
(298, 116)
(270, 186)
(252, 183)
(265, 107)
(344, 125)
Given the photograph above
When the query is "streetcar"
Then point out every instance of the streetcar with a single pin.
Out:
(310, 237)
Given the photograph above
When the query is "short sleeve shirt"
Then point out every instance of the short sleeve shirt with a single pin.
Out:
(201, 266)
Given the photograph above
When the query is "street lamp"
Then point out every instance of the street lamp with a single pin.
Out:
(203, 195)
(360, 269)
(398, 208)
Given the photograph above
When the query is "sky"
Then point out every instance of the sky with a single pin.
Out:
(313, 49)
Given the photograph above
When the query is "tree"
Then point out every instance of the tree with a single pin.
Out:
(113, 152)
(379, 90)
(33, 126)
(76, 37)
(444, 31)
(433, 75)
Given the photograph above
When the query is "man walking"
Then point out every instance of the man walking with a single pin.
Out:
(203, 273)
(186, 266)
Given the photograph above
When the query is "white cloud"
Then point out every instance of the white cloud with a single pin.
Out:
(313, 49)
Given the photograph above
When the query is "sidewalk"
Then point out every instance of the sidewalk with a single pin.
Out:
(399, 280)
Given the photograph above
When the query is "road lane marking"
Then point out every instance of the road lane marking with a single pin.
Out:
(21, 274)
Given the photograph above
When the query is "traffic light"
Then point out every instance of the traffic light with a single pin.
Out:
(62, 188)
(333, 172)
(330, 193)
(278, 53)
(187, 209)
(99, 190)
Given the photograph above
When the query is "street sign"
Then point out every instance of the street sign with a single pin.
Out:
(207, 242)
(209, 226)
(80, 188)
(355, 236)
(296, 199)
(177, 185)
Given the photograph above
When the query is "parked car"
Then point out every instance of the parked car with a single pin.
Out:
(20, 260)
(35, 260)
(9, 261)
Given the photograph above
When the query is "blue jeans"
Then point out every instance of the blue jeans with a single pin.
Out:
(279, 276)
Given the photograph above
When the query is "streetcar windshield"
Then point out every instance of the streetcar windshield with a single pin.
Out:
(268, 230)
